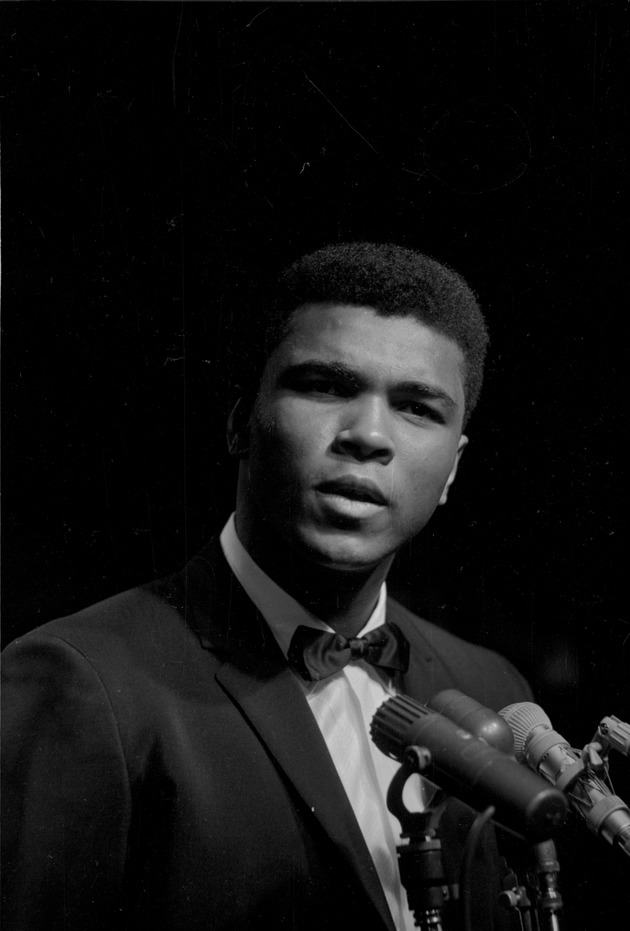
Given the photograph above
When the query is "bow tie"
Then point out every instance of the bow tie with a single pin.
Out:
(317, 654)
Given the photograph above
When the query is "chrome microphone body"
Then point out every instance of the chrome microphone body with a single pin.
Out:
(548, 753)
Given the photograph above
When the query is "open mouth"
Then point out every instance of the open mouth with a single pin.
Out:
(354, 489)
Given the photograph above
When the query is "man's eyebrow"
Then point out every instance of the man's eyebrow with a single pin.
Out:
(427, 391)
(419, 389)
(324, 369)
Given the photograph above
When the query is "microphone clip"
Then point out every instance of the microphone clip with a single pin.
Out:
(420, 858)
(613, 734)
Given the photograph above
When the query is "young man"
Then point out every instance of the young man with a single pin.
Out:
(173, 759)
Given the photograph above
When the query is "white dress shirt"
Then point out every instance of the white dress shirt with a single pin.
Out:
(348, 699)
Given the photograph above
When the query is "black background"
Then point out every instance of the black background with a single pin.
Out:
(158, 157)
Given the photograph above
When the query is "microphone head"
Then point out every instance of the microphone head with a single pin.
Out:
(392, 727)
(523, 717)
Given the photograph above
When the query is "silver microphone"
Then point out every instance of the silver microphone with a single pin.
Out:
(546, 752)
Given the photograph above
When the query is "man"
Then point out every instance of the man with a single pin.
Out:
(167, 767)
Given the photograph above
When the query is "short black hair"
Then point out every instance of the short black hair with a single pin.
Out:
(392, 279)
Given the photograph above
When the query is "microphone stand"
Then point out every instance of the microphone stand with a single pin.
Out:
(420, 860)
(538, 902)
(545, 875)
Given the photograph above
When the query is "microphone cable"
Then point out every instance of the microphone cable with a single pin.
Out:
(465, 873)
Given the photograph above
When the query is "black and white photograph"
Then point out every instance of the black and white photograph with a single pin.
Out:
(315, 499)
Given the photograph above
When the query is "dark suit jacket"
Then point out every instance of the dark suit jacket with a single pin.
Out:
(163, 769)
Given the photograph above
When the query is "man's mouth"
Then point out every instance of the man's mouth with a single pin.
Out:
(355, 489)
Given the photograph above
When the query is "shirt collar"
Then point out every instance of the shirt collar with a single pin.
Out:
(281, 612)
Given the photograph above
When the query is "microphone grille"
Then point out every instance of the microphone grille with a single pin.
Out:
(392, 725)
(523, 717)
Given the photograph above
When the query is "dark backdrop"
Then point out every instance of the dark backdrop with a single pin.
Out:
(160, 157)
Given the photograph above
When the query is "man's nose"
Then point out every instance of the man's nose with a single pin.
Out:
(364, 431)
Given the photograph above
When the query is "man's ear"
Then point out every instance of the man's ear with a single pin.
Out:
(463, 442)
(238, 429)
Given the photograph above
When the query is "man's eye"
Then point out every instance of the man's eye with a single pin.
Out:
(321, 386)
(421, 410)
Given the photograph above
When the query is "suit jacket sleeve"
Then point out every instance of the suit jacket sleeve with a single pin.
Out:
(66, 788)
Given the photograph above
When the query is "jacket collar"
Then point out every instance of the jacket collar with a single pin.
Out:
(257, 678)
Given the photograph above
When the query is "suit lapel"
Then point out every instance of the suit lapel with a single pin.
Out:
(422, 680)
(257, 679)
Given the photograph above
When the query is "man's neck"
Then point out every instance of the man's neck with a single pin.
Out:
(343, 600)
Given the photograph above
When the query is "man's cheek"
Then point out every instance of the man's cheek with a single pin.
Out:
(292, 450)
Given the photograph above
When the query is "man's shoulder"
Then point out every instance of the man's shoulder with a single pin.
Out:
(138, 652)
(121, 616)
(429, 637)
(154, 612)
(441, 659)
(152, 626)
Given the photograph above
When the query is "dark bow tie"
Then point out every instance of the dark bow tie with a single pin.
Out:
(317, 654)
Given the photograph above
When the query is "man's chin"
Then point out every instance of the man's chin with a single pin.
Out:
(346, 556)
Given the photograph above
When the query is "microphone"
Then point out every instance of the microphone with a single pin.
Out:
(472, 716)
(546, 752)
(470, 769)
(491, 727)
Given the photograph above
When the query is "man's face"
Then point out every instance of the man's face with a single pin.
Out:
(354, 436)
